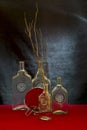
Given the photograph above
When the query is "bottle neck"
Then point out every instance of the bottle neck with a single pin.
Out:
(21, 66)
(46, 88)
(40, 67)
(40, 64)
(59, 82)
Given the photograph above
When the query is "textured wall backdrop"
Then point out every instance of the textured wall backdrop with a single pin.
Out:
(64, 28)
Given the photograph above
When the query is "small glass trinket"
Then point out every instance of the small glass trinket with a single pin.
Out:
(45, 104)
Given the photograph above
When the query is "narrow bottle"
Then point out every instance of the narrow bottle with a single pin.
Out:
(40, 77)
(21, 83)
(59, 97)
(45, 104)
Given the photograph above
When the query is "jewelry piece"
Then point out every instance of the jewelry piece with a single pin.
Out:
(45, 118)
(59, 112)
(30, 111)
(20, 107)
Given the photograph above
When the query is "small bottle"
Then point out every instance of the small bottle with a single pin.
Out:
(40, 77)
(21, 83)
(59, 97)
(45, 104)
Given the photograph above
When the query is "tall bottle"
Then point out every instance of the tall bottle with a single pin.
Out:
(45, 104)
(40, 77)
(59, 97)
(21, 83)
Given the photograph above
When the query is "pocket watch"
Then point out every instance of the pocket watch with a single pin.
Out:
(21, 87)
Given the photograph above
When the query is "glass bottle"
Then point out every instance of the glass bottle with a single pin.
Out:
(59, 97)
(40, 77)
(21, 83)
(45, 104)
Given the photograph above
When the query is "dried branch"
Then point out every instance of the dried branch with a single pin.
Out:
(44, 50)
(41, 46)
(31, 27)
(29, 32)
(32, 31)
(35, 31)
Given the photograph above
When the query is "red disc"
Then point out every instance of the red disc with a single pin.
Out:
(31, 98)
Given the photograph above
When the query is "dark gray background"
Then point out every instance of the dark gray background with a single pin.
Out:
(64, 28)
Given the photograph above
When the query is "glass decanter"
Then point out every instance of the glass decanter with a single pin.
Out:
(21, 84)
(40, 77)
(59, 98)
(45, 104)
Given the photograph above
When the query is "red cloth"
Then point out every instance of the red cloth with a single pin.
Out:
(76, 119)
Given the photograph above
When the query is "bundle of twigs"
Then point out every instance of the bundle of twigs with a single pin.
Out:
(35, 33)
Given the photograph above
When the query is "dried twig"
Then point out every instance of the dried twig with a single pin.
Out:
(35, 31)
(29, 32)
(32, 31)
(30, 28)
(41, 46)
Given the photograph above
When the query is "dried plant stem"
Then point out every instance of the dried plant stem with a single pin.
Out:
(32, 31)
(35, 32)
(29, 29)
(40, 33)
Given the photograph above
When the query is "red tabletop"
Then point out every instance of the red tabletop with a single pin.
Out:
(76, 119)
